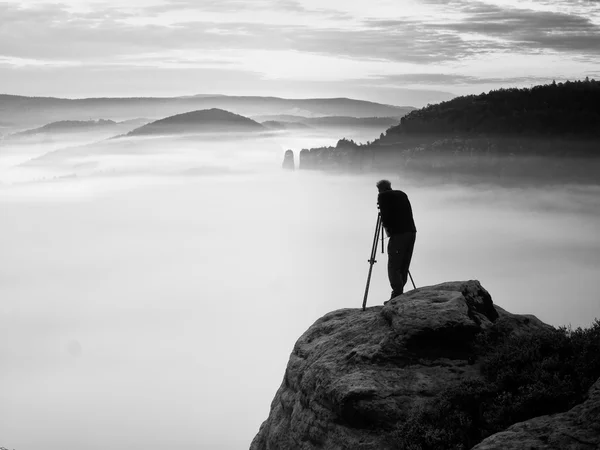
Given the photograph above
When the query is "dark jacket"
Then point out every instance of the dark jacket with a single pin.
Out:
(396, 212)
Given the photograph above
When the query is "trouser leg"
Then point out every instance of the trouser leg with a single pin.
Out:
(400, 250)
(408, 252)
(395, 265)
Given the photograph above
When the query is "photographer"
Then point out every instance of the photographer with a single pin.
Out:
(397, 219)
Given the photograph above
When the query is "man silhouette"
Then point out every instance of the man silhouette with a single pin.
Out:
(397, 218)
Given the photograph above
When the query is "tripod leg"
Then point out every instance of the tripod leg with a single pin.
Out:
(411, 279)
(372, 259)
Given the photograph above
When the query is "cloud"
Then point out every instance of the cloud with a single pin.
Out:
(105, 35)
(53, 31)
(24, 62)
(527, 30)
(438, 79)
(387, 44)
(286, 11)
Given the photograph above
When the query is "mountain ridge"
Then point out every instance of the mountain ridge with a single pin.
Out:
(35, 111)
(570, 108)
(200, 96)
(67, 125)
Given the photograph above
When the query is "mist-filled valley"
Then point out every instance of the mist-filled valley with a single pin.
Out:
(153, 287)
(191, 195)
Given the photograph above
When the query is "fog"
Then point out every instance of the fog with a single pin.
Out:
(153, 289)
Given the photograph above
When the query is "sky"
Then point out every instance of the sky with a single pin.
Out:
(404, 52)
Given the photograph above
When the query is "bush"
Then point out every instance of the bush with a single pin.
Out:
(523, 377)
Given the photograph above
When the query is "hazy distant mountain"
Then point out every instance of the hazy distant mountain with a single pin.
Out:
(203, 121)
(135, 122)
(36, 111)
(279, 118)
(281, 125)
(294, 122)
(352, 122)
(68, 126)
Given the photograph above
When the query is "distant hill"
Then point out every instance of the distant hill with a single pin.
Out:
(135, 122)
(563, 109)
(548, 133)
(296, 122)
(279, 118)
(281, 125)
(68, 126)
(352, 122)
(36, 111)
(203, 121)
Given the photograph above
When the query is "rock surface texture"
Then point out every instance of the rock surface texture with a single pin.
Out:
(353, 375)
(578, 428)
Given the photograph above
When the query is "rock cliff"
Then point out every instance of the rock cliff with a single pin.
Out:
(288, 160)
(346, 155)
(354, 375)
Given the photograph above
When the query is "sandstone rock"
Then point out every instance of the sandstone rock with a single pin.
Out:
(578, 428)
(347, 155)
(306, 159)
(354, 374)
(288, 160)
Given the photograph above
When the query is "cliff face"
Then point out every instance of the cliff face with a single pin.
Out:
(478, 158)
(354, 375)
(288, 160)
(346, 155)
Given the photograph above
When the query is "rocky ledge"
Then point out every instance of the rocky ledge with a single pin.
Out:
(354, 375)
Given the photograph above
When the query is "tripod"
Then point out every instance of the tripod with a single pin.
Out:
(372, 260)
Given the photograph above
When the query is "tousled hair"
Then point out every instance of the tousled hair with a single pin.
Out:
(384, 184)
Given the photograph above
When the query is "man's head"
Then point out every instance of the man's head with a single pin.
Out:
(384, 185)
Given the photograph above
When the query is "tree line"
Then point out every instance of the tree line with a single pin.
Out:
(571, 108)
